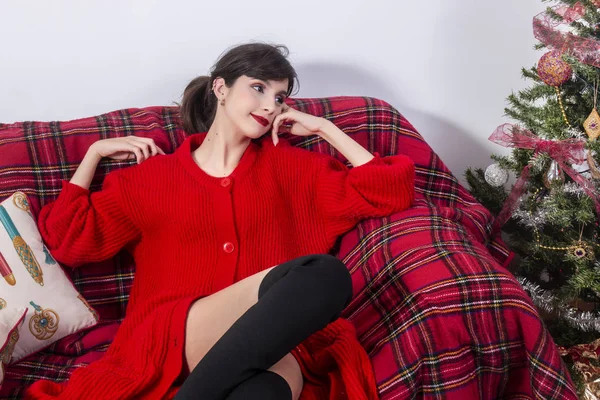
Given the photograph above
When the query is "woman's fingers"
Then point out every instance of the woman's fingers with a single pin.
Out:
(138, 153)
(141, 148)
(127, 147)
(274, 130)
(278, 121)
(282, 123)
(154, 149)
(146, 146)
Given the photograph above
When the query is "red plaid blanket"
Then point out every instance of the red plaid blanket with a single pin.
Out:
(436, 310)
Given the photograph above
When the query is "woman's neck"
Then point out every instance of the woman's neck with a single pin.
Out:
(221, 151)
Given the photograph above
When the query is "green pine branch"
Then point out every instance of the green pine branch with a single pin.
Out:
(490, 196)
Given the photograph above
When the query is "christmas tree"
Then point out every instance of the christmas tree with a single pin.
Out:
(549, 217)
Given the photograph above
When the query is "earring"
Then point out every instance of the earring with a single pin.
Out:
(222, 102)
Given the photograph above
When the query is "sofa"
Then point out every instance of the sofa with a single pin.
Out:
(436, 307)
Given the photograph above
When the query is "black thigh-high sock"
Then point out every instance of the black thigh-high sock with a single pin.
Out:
(266, 385)
(296, 299)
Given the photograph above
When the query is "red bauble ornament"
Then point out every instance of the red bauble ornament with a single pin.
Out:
(553, 70)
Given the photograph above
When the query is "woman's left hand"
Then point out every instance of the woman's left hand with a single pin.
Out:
(302, 124)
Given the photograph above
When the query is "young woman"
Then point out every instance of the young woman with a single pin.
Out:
(230, 235)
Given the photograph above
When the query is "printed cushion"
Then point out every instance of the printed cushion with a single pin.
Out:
(31, 278)
(11, 320)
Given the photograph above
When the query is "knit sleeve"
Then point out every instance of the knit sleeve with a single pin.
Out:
(381, 187)
(81, 227)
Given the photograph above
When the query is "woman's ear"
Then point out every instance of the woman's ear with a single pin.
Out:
(219, 87)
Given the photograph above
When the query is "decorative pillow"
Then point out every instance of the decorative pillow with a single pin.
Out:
(11, 320)
(31, 278)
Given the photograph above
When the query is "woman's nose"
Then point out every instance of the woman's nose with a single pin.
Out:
(269, 106)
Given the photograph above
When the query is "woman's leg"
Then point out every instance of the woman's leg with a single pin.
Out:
(266, 385)
(211, 316)
(295, 299)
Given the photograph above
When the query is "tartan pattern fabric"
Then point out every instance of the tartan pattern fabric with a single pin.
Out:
(437, 311)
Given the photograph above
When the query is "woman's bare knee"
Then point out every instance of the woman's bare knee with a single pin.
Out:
(211, 316)
(289, 369)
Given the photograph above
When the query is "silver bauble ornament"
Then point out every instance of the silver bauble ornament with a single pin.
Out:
(495, 175)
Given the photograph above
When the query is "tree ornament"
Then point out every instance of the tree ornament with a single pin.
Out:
(496, 175)
(552, 70)
(581, 249)
(554, 174)
(592, 123)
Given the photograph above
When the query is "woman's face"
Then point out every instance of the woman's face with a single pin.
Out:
(252, 104)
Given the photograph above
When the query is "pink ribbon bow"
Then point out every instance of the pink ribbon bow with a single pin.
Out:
(545, 30)
(564, 152)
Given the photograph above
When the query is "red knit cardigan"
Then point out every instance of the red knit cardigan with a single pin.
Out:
(192, 234)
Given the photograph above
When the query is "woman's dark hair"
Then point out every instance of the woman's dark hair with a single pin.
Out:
(256, 60)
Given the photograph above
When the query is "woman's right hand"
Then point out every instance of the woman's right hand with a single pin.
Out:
(125, 148)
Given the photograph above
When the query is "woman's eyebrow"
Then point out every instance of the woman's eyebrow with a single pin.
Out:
(283, 92)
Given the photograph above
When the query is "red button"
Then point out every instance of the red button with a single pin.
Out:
(225, 182)
(228, 247)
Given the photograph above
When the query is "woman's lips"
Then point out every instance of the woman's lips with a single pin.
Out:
(260, 120)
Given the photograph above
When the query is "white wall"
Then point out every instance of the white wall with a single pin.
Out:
(447, 65)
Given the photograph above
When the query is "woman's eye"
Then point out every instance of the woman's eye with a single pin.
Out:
(261, 89)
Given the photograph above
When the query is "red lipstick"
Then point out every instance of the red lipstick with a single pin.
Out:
(260, 120)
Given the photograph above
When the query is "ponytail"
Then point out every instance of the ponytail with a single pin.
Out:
(198, 107)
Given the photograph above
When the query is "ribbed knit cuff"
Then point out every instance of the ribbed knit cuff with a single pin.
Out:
(56, 226)
(392, 173)
(70, 191)
(376, 160)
